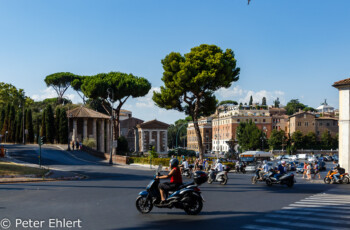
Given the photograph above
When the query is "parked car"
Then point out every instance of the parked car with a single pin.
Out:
(293, 157)
(302, 156)
(312, 159)
(300, 168)
(335, 158)
(327, 158)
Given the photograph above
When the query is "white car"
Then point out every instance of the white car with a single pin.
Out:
(312, 159)
(293, 157)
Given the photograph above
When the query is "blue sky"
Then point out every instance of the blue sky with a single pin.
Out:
(286, 49)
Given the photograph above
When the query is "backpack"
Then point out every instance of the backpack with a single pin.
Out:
(341, 170)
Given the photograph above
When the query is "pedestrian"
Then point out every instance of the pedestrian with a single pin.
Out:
(73, 145)
(316, 171)
(305, 170)
(308, 171)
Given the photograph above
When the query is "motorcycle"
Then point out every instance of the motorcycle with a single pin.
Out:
(187, 172)
(188, 197)
(256, 178)
(221, 177)
(287, 179)
(343, 178)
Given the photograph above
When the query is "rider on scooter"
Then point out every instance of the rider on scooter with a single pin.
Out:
(263, 170)
(218, 166)
(184, 165)
(175, 179)
(280, 169)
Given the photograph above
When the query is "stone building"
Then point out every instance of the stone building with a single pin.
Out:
(309, 122)
(225, 124)
(279, 119)
(205, 127)
(344, 122)
(153, 133)
(86, 123)
(127, 129)
(303, 122)
(327, 124)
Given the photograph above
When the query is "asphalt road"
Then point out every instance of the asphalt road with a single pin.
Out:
(107, 199)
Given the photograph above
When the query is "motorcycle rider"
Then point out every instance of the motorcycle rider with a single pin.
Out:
(184, 165)
(280, 170)
(218, 167)
(175, 179)
(338, 171)
(263, 170)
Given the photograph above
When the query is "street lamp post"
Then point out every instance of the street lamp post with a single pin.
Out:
(6, 132)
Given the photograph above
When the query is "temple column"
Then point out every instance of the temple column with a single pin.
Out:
(75, 129)
(158, 148)
(108, 131)
(94, 131)
(142, 137)
(166, 141)
(85, 130)
(102, 136)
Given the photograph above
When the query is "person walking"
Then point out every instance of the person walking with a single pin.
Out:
(305, 170)
(308, 172)
(317, 171)
(73, 142)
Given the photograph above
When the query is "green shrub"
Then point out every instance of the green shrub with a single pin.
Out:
(146, 160)
(180, 151)
(89, 142)
(153, 153)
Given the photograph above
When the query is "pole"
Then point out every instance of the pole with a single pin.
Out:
(24, 142)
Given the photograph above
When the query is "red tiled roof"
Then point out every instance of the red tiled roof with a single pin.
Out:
(342, 82)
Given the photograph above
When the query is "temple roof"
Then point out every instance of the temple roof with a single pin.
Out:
(153, 124)
(83, 112)
(342, 83)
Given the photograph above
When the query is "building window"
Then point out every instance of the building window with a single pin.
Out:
(306, 123)
(263, 120)
(327, 124)
(320, 123)
(238, 120)
(299, 123)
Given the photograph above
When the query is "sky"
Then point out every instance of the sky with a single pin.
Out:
(286, 49)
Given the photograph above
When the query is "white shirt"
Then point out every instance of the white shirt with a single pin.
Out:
(185, 164)
(266, 167)
(219, 167)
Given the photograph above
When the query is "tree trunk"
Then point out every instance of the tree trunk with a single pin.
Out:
(196, 127)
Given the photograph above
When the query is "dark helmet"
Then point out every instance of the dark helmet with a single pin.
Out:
(174, 162)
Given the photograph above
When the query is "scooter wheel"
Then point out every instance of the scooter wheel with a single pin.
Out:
(224, 181)
(290, 184)
(269, 183)
(254, 180)
(143, 205)
(326, 180)
(345, 180)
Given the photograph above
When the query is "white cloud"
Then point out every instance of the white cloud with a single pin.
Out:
(146, 101)
(239, 94)
(51, 93)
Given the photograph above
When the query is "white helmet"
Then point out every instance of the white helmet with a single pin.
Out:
(283, 162)
(264, 161)
(218, 161)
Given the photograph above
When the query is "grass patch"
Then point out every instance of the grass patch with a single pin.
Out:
(12, 169)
